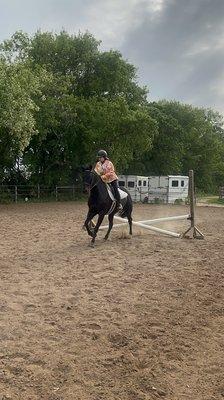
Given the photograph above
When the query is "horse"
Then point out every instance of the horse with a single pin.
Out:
(101, 204)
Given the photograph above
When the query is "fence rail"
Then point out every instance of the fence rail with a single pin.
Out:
(221, 192)
(25, 193)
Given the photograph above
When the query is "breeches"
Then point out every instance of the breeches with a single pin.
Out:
(114, 184)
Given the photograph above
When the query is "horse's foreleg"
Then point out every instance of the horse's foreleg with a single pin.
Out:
(90, 216)
(111, 222)
(99, 222)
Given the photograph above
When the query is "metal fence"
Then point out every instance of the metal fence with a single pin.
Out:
(25, 193)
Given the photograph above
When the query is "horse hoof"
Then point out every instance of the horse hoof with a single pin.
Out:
(92, 245)
(106, 238)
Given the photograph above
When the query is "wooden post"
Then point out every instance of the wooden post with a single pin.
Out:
(56, 193)
(193, 231)
(148, 189)
(38, 191)
(16, 194)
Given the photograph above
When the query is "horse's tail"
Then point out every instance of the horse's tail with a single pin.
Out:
(128, 206)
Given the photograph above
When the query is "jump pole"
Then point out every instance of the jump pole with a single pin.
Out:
(143, 225)
(150, 221)
(149, 227)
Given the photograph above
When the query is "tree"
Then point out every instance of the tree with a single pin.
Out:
(203, 141)
(92, 73)
(17, 123)
(91, 100)
(62, 98)
(188, 138)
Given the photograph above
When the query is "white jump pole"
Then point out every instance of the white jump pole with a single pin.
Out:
(151, 221)
(151, 228)
(144, 226)
(158, 220)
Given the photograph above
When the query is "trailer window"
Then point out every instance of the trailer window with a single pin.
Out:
(121, 183)
(175, 183)
(131, 184)
(182, 183)
(139, 183)
(144, 183)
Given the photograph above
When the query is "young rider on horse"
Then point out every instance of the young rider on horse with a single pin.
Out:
(105, 169)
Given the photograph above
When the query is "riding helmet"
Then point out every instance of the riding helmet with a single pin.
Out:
(102, 153)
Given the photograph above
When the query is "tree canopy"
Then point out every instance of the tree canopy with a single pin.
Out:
(62, 98)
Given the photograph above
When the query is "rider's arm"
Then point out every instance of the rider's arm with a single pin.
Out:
(109, 172)
(99, 168)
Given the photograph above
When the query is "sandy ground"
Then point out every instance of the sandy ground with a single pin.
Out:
(131, 319)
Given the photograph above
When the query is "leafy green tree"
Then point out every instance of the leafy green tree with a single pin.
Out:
(17, 108)
(62, 98)
(91, 101)
(188, 138)
(203, 141)
(165, 157)
(92, 73)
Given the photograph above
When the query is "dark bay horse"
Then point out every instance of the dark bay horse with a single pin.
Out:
(101, 204)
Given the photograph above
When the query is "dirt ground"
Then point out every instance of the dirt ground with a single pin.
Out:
(131, 319)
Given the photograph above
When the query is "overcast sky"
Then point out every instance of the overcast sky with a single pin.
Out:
(177, 45)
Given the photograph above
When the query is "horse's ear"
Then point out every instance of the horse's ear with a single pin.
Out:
(88, 167)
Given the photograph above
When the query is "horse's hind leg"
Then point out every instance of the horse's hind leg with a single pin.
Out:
(130, 224)
(111, 221)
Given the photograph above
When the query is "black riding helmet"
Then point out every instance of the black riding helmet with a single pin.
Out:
(102, 153)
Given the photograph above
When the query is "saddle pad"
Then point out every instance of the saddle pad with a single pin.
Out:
(123, 194)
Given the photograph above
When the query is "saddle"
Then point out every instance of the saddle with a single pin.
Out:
(123, 194)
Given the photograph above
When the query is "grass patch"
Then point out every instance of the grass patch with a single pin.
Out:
(216, 200)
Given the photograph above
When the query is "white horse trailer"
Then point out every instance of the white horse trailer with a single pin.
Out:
(178, 188)
(165, 189)
(136, 185)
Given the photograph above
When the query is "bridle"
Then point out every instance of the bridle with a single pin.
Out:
(90, 186)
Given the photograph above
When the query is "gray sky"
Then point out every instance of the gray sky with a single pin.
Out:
(177, 45)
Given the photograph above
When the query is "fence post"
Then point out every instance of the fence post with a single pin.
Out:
(38, 191)
(56, 193)
(16, 194)
(73, 191)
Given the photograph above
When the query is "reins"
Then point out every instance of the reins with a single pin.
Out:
(91, 187)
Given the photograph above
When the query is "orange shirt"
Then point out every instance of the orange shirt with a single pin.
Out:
(106, 171)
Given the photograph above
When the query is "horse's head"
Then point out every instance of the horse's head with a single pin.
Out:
(90, 178)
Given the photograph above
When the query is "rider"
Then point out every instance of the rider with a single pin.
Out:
(105, 169)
